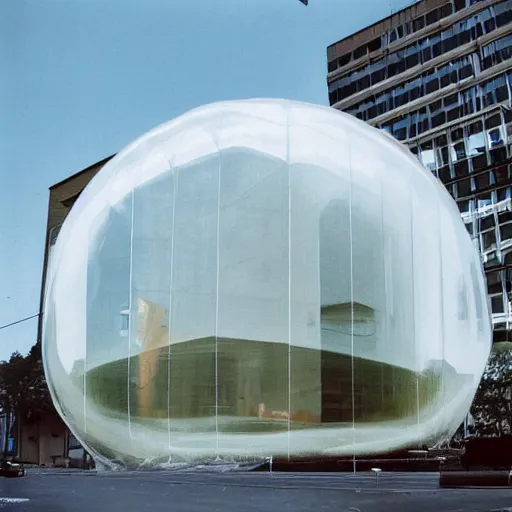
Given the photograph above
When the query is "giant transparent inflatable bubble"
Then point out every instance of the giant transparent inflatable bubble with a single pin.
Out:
(260, 278)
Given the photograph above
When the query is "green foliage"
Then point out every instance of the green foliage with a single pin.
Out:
(23, 388)
(492, 406)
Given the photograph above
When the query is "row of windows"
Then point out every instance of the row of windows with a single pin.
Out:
(484, 199)
(466, 148)
(484, 182)
(493, 238)
(496, 52)
(402, 31)
(452, 107)
(426, 83)
(430, 81)
(491, 221)
(420, 52)
(393, 35)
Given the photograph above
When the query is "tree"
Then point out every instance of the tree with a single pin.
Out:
(492, 406)
(23, 389)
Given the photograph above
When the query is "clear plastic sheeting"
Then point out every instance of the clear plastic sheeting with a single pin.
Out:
(263, 278)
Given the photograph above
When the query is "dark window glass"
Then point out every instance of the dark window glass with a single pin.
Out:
(437, 49)
(501, 174)
(506, 232)
(418, 23)
(492, 121)
(400, 100)
(375, 44)
(381, 108)
(507, 111)
(468, 108)
(446, 10)
(466, 71)
(457, 134)
(331, 66)
(487, 62)
(445, 80)
(503, 193)
(479, 162)
(459, 4)
(504, 217)
(453, 114)
(463, 206)
(498, 155)
(333, 97)
(378, 76)
(441, 141)
(435, 106)
(502, 93)
(489, 25)
(478, 104)
(412, 60)
(461, 168)
(489, 238)
(444, 155)
(400, 31)
(364, 83)
(450, 43)
(465, 37)
(432, 17)
(432, 86)
(438, 119)
(344, 60)
(488, 99)
(482, 181)
(372, 112)
(475, 128)
(393, 36)
(444, 174)
(504, 18)
(415, 93)
(426, 54)
(401, 133)
(360, 52)
(487, 222)
(464, 188)
(497, 304)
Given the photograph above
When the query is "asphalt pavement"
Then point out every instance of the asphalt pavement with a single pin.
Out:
(59, 490)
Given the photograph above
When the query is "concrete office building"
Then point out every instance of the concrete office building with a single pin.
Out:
(437, 75)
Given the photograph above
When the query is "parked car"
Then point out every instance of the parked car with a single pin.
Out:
(11, 469)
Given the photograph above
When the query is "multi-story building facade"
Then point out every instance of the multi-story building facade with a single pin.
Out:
(42, 442)
(437, 75)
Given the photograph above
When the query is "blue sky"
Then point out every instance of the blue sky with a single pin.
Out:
(82, 78)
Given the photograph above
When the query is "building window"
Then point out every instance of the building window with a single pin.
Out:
(464, 188)
(476, 139)
(497, 305)
(506, 231)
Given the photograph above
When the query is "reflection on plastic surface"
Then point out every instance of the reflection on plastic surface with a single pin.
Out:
(260, 278)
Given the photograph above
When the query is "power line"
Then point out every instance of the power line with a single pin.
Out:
(19, 321)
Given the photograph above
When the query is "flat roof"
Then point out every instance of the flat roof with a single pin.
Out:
(378, 22)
